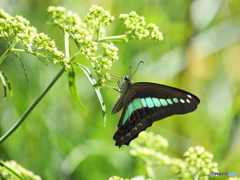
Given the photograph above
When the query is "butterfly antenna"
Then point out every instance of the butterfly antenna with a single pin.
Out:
(130, 67)
(135, 69)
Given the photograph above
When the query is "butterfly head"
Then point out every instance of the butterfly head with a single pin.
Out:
(126, 83)
(127, 79)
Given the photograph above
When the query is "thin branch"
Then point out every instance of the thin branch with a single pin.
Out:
(120, 38)
(11, 171)
(7, 52)
(29, 110)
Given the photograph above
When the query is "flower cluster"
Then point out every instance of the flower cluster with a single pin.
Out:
(61, 17)
(109, 55)
(154, 32)
(89, 33)
(197, 162)
(137, 28)
(88, 48)
(149, 147)
(83, 33)
(84, 41)
(5, 174)
(73, 25)
(200, 162)
(105, 61)
(102, 78)
(18, 30)
(95, 17)
(110, 51)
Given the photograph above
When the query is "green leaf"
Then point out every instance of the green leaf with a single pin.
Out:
(6, 84)
(24, 69)
(97, 90)
(73, 88)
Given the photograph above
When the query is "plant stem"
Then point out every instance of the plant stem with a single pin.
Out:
(120, 38)
(24, 51)
(66, 42)
(7, 52)
(28, 111)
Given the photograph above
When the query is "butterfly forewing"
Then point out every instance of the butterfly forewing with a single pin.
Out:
(182, 101)
(145, 103)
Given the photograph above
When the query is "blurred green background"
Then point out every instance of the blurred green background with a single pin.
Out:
(200, 54)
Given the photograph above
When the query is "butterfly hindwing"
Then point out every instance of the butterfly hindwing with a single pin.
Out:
(145, 103)
(132, 122)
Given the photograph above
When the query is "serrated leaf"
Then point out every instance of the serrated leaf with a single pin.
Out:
(73, 89)
(97, 90)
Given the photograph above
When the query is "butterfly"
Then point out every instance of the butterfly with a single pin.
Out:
(145, 102)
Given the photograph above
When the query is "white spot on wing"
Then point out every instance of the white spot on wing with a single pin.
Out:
(189, 96)
(188, 100)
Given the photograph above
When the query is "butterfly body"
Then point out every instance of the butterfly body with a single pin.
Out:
(145, 102)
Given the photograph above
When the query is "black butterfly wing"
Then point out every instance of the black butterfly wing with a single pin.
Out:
(130, 128)
(145, 103)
